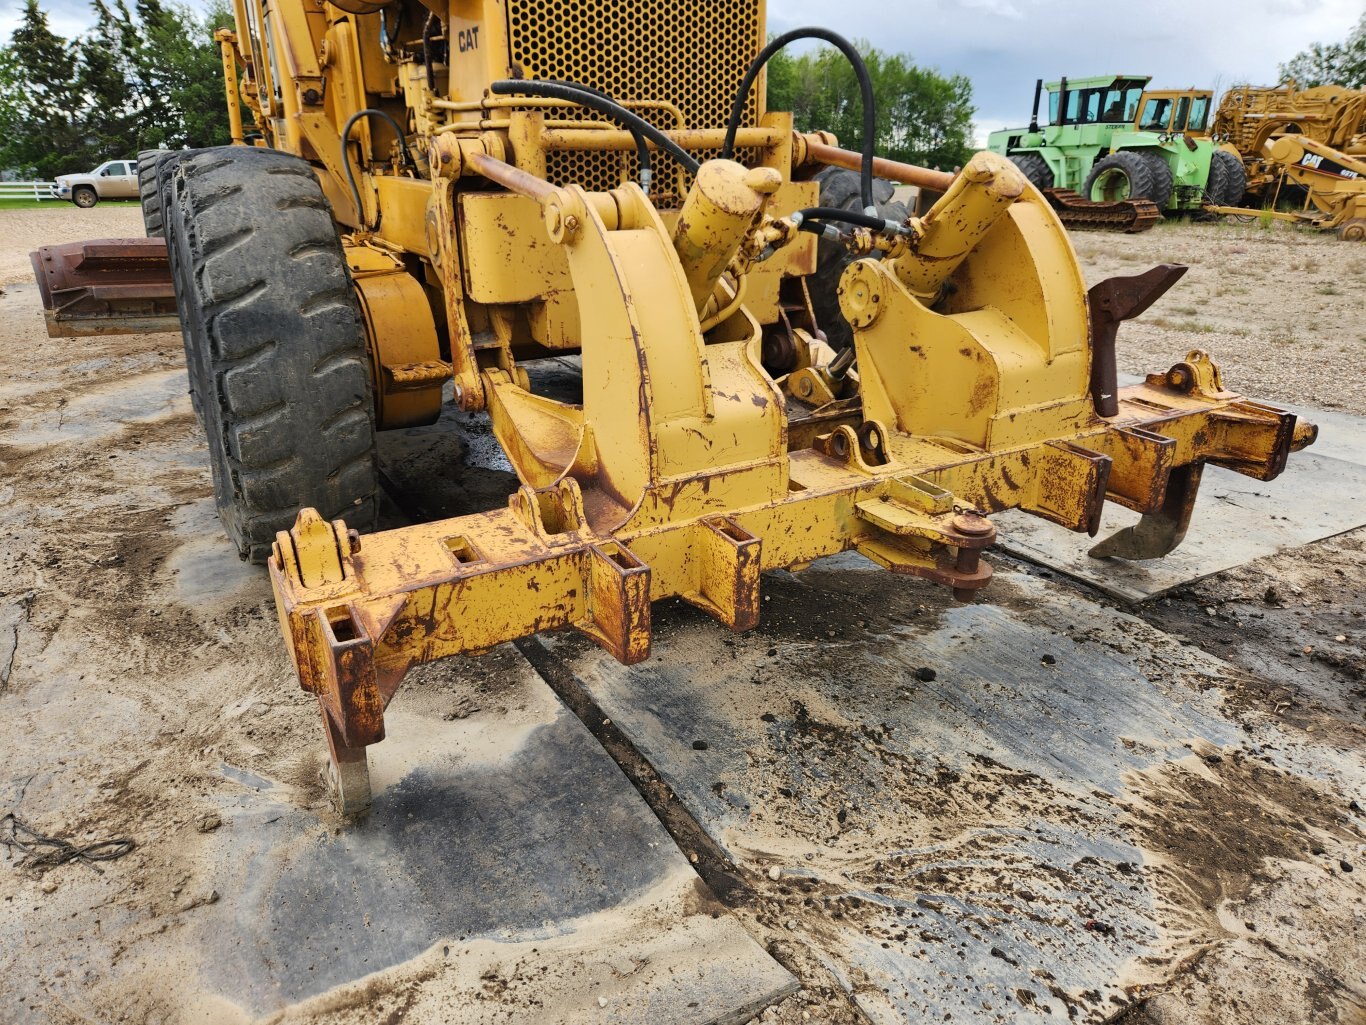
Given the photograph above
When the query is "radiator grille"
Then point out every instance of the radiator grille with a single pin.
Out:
(692, 53)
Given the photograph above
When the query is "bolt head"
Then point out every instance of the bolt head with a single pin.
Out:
(972, 525)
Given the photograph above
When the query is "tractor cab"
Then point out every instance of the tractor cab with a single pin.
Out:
(1174, 112)
(1108, 99)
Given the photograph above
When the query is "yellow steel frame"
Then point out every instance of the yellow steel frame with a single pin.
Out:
(688, 468)
(679, 474)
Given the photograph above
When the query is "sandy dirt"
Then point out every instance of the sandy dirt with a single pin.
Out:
(124, 699)
(25, 230)
(1279, 307)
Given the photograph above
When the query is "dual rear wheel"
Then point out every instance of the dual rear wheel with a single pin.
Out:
(1129, 175)
(274, 343)
(1114, 178)
(1139, 174)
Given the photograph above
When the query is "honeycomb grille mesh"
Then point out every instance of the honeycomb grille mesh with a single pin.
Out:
(691, 53)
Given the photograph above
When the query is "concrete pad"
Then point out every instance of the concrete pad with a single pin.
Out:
(507, 865)
(1237, 519)
(477, 860)
(937, 802)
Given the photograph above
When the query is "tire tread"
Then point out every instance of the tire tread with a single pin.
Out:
(274, 343)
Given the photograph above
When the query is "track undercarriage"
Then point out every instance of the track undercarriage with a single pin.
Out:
(1129, 215)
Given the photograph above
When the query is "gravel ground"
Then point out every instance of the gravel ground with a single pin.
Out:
(1280, 308)
(25, 230)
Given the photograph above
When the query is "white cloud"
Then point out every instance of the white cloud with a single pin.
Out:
(1002, 46)
(1000, 8)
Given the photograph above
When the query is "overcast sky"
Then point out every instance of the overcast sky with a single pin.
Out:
(1004, 45)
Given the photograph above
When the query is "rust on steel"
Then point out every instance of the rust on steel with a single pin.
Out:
(1076, 211)
(512, 178)
(106, 286)
(1110, 302)
(892, 170)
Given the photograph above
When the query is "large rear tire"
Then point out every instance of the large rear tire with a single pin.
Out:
(1118, 177)
(1227, 179)
(1035, 168)
(154, 167)
(841, 189)
(273, 342)
(1163, 179)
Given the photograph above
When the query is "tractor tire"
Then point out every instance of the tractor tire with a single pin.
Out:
(840, 189)
(1035, 168)
(1120, 176)
(1227, 179)
(273, 341)
(154, 167)
(84, 196)
(1163, 180)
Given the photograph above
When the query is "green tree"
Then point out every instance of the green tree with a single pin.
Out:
(1341, 64)
(923, 116)
(40, 124)
(139, 79)
(189, 69)
(108, 110)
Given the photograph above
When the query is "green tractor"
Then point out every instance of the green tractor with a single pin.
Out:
(1114, 141)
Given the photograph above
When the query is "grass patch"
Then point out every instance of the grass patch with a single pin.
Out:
(1283, 336)
(1328, 289)
(8, 203)
(11, 203)
(1189, 327)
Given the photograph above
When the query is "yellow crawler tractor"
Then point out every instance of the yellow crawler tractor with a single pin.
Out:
(437, 193)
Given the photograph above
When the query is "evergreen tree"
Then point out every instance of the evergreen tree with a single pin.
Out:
(40, 107)
(108, 107)
(139, 79)
(191, 74)
(159, 123)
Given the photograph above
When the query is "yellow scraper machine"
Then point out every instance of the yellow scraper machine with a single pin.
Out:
(776, 364)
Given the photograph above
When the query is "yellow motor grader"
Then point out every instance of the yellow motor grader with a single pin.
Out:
(778, 364)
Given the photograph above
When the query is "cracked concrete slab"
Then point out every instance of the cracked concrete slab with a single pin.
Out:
(963, 811)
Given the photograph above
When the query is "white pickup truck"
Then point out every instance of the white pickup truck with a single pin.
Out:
(114, 179)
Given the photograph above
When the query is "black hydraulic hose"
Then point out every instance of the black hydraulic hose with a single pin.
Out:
(594, 101)
(346, 157)
(816, 220)
(830, 213)
(865, 87)
(642, 147)
(429, 51)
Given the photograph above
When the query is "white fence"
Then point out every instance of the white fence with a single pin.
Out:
(27, 190)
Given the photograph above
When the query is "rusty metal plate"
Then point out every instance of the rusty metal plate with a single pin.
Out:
(508, 871)
(106, 286)
(938, 803)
